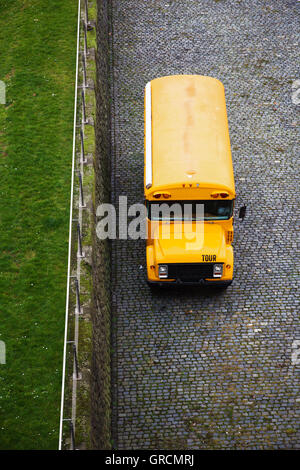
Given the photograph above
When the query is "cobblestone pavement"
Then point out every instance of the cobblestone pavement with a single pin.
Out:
(194, 368)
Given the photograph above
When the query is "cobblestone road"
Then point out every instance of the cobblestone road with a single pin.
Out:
(194, 368)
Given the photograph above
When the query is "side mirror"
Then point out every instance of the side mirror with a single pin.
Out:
(242, 212)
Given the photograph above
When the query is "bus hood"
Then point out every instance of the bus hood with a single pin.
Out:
(174, 245)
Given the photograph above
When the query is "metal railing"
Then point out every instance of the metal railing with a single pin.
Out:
(75, 242)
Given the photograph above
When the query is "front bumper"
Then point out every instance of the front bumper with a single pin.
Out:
(200, 283)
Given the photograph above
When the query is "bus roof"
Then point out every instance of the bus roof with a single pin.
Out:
(186, 134)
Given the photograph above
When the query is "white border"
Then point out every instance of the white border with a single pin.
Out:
(148, 125)
(70, 240)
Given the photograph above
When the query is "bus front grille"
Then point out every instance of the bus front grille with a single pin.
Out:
(189, 272)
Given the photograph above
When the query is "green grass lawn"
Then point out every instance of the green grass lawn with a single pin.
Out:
(37, 63)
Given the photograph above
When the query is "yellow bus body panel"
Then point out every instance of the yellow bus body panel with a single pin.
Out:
(190, 160)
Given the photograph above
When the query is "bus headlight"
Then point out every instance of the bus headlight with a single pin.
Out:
(218, 270)
(163, 271)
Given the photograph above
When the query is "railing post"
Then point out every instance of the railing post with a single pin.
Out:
(83, 159)
(86, 11)
(85, 37)
(78, 305)
(81, 203)
(84, 120)
(72, 436)
(84, 71)
(80, 253)
(88, 24)
(75, 361)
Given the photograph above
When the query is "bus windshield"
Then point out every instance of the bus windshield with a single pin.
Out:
(189, 210)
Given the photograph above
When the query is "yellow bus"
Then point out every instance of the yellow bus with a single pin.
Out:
(188, 163)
